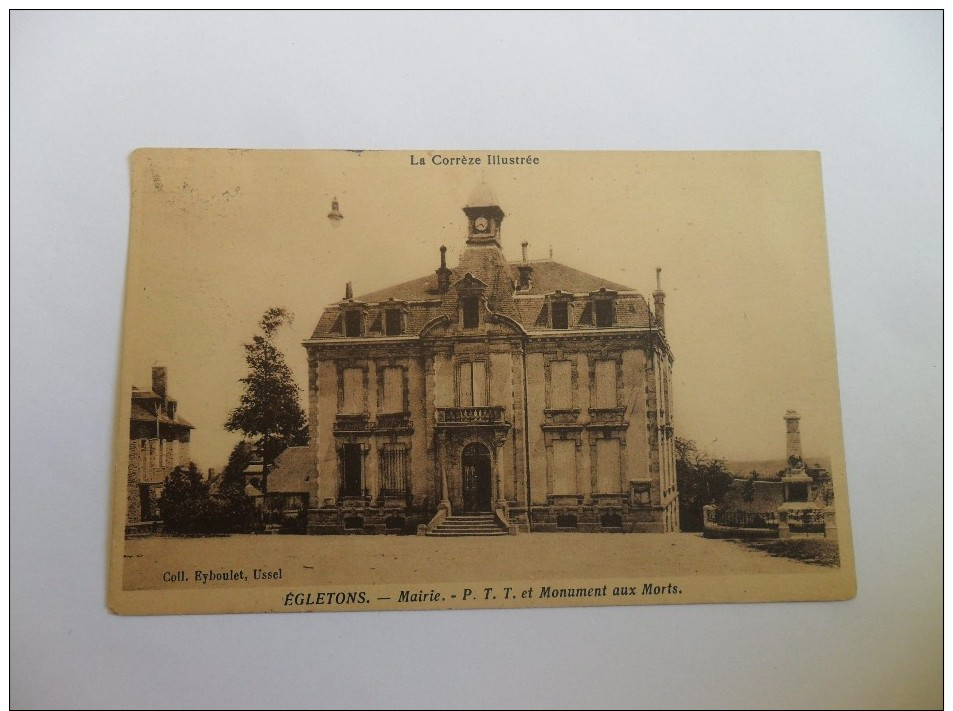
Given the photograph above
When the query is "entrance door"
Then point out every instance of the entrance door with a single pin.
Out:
(477, 490)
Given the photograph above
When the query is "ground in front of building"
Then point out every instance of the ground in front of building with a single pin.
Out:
(367, 560)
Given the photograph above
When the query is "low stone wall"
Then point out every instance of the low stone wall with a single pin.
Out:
(364, 520)
(591, 518)
(791, 520)
(348, 519)
(143, 529)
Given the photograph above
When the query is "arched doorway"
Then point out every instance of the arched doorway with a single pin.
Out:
(477, 487)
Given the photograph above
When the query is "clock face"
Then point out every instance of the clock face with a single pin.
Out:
(480, 223)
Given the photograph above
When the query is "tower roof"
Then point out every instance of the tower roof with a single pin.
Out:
(482, 196)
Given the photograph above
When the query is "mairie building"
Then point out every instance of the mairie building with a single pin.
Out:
(492, 398)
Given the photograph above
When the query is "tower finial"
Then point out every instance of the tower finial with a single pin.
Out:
(658, 296)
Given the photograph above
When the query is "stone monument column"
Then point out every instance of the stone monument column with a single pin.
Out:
(793, 421)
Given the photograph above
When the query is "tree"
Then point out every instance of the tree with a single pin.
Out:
(702, 480)
(747, 489)
(184, 504)
(269, 412)
(232, 508)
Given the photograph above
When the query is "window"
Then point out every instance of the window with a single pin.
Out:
(604, 395)
(393, 400)
(353, 325)
(472, 384)
(603, 309)
(471, 311)
(392, 322)
(353, 391)
(395, 479)
(564, 466)
(352, 479)
(560, 384)
(560, 311)
(608, 466)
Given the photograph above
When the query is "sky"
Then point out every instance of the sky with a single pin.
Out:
(219, 236)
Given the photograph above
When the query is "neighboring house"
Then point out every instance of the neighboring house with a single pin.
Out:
(530, 396)
(289, 479)
(158, 443)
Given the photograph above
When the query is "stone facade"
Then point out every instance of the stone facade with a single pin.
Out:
(532, 390)
(158, 443)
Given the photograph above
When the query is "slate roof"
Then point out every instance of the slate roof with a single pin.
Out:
(292, 470)
(548, 276)
(424, 301)
(144, 410)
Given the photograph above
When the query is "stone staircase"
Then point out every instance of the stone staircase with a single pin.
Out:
(468, 524)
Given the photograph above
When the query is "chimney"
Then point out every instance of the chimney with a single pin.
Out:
(659, 296)
(793, 421)
(443, 274)
(525, 245)
(525, 277)
(159, 381)
(348, 292)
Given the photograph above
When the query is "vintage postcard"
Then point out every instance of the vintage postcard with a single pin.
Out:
(422, 379)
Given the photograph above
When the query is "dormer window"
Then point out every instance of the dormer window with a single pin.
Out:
(470, 305)
(353, 323)
(470, 290)
(525, 280)
(560, 309)
(603, 308)
(393, 322)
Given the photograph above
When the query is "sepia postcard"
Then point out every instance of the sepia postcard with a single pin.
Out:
(422, 379)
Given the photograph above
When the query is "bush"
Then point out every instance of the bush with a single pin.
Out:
(701, 479)
(184, 504)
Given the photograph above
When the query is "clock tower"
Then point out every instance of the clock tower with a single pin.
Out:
(484, 218)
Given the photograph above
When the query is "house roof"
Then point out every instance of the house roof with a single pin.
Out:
(423, 300)
(142, 413)
(292, 471)
(547, 277)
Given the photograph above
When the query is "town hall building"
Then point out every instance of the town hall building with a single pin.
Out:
(492, 397)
